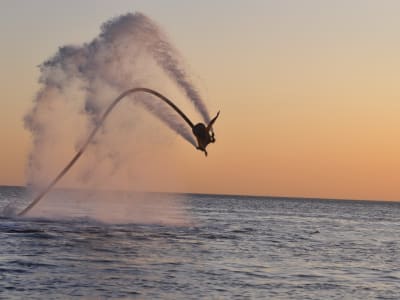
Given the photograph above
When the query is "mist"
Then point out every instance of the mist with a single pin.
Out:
(77, 85)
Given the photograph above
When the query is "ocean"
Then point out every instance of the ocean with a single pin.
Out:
(234, 247)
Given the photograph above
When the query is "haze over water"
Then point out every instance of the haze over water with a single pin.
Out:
(237, 247)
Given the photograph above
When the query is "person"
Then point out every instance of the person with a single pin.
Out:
(204, 135)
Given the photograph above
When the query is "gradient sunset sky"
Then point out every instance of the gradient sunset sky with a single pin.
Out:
(309, 91)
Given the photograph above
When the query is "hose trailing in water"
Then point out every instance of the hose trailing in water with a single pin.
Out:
(93, 133)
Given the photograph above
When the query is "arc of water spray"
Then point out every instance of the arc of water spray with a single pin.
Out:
(93, 133)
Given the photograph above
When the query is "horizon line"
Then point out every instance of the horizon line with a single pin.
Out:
(278, 197)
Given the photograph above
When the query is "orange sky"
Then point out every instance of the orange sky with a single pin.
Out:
(308, 91)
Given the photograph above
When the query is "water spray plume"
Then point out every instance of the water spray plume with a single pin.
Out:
(202, 133)
(76, 85)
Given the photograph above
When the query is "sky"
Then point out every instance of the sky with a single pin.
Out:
(308, 90)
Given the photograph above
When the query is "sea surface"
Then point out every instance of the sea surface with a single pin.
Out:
(233, 247)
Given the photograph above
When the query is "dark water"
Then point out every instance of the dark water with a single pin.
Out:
(239, 248)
